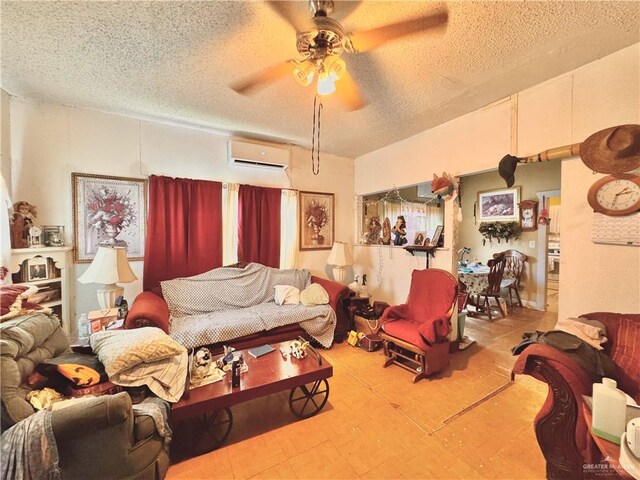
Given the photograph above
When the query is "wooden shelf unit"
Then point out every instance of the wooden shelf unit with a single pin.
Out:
(60, 263)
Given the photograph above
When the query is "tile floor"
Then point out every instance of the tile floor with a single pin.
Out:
(377, 424)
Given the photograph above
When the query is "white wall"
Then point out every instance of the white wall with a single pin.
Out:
(50, 141)
(561, 111)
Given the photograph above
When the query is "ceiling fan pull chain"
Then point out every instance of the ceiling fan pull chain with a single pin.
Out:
(315, 157)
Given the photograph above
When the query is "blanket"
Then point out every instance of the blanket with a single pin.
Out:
(29, 449)
(143, 356)
(227, 303)
(206, 329)
(227, 288)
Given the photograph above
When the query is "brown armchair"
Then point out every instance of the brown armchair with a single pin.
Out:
(415, 335)
(99, 438)
(560, 425)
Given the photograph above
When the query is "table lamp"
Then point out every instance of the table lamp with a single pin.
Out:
(340, 256)
(109, 267)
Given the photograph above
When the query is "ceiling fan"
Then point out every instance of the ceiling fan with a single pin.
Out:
(321, 41)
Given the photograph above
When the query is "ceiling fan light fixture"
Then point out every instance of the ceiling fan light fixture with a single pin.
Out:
(326, 84)
(335, 66)
(304, 72)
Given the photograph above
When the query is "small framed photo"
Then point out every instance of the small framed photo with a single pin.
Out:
(436, 235)
(498, 205)
(37, 269)
(53, 235)
(419, 238)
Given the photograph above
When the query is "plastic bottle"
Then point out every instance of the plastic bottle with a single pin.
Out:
(83, 327)
(609, 410)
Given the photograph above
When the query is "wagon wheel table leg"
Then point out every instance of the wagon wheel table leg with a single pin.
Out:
(305, 402)
(212, 429)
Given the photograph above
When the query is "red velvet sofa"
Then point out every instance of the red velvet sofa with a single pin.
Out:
(150, 309)
(560, 425)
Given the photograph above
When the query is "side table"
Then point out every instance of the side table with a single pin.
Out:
(352, 305)
(609, 467)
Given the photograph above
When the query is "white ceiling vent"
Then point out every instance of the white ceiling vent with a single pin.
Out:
(247, 154)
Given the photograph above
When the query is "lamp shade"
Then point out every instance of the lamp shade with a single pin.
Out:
(109, 266)
(340, 255)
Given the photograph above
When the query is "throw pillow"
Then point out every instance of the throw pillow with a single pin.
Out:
(287, 295)
(119, 350)
(313, 295)
(626, 354)
(79, 369)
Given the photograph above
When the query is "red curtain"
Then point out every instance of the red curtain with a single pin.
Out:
(259, 225)
(184, 229)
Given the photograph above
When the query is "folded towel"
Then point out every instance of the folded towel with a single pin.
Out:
(589, 331)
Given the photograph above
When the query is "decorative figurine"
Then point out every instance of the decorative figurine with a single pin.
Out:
(201, 363)
(400, 231)
(23, 219)
(298, 349)
(374, 228)
(443, 186)
(386, 231)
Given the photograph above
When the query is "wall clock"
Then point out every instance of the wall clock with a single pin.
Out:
(615, 195)
(528, 215)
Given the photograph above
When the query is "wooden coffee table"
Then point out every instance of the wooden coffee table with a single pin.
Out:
(208, 407)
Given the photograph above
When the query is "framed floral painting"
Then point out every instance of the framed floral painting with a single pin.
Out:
(108, 211)
(317, 221)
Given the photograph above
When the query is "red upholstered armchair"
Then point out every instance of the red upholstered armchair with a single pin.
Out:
(416, 334)
(560, 425)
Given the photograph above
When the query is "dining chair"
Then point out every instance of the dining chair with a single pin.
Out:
(515, 261)
(496, 271)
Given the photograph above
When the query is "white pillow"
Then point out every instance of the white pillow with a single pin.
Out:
(287, 295)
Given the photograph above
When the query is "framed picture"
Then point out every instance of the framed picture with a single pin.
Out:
(108, 211)
(436, 235)
(419, 238)
(317, 221)
(53, 235)
(497, 205)
(37, 269)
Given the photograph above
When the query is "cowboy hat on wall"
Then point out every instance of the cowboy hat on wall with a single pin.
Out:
(613, 150)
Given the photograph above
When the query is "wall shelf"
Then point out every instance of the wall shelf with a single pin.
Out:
(419, 248)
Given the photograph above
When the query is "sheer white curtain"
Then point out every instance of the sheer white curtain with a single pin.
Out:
(230, 223)
(391, 210)
(5, 239)
(421, 217)
(288, 228)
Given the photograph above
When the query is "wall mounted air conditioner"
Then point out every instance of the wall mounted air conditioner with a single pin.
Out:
(247, 154)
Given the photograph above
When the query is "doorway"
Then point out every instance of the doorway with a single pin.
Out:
(549, 251)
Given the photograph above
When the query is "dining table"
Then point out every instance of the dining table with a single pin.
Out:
(475, 277)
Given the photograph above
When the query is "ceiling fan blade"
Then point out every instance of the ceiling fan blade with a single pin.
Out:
(287, 11)
(370, 39)
(258, 81)
(349, 93)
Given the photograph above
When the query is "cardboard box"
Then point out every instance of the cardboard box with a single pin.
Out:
(99, 319)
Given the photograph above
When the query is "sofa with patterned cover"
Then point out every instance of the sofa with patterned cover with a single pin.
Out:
(235, 306)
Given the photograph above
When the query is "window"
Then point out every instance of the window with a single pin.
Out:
(422, 212)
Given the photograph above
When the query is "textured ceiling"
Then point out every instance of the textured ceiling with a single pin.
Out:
(175, 60)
